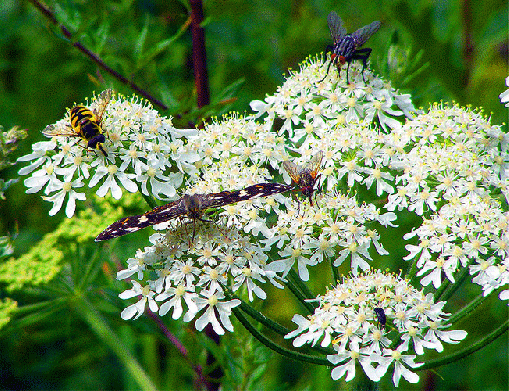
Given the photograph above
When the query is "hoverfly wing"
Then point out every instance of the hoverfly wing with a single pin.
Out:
(293, 170)
(102, 101)
(364, 33)
(314, 164)
(337, 30)
(52, 130)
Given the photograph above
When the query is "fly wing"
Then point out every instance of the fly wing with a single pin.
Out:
(293, 170)
(102, 101)
(364, 33)
(337, 30)
(52, 130)
(131, 224)
(314, 164)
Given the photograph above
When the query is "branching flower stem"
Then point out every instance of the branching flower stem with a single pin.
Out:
(94, 57)
(275, 347)
(468, 309)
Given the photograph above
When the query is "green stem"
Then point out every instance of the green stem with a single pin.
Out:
(300, 284)
(271, 324)
(413, 271)
(293, 285)
(259, 317)
(466, 352)
(454, 287)
(106, 334)
(441, 289)
(335, 273)
(468, 309)
(150, 202)
(271, 345)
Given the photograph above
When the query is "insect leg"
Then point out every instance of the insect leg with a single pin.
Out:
(328, 49)
(362, 54)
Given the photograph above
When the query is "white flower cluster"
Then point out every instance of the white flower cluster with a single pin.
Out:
(448, 165)
(194, 263)
(307, 105)
(346, 318)
(456, 175)
(141, 147)
(337, 228)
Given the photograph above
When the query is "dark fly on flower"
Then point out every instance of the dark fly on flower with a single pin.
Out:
(380, 315)
(191, 206)
(305, 177)
(85, 123)
(346, 46)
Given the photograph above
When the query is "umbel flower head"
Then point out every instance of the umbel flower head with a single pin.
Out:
(141, 147)
(348, 318)
(377, 157)
(189, 268)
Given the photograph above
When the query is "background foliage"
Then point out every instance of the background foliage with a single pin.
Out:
(454, 50)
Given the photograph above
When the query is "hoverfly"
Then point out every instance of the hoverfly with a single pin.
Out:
(306, 176)
(346, 46)
(85, 123)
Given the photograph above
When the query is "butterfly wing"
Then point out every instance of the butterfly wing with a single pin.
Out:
(216, 200)
(131, 224)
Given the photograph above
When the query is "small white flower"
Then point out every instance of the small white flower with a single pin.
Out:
(64, 189)
(175, 296)
(213, 303)
(348, 368)
(137, 309)
(135, 134)
(401, 364)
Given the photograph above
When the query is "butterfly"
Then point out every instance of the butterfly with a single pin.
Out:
(191, 206)
(306, 176)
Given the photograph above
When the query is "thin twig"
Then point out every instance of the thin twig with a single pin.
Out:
(51, 17)
(203, 99)
(180, 347)
(201, 80)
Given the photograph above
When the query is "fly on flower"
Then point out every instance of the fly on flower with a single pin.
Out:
(346, 46)
(191, 206)
(306, 176)
(380, 315)
(85, 123)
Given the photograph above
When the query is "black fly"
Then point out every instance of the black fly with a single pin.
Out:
(346, 46)
(380, 315)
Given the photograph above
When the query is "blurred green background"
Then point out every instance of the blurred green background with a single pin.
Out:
(448, 50)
